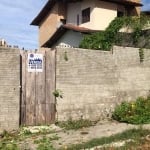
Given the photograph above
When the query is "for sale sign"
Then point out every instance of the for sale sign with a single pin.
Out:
(35, 62)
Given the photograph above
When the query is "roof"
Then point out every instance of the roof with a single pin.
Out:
(77, 28)
(46, 9)
(126, 2)
(61, 31)
(49, 5)
(43, 13)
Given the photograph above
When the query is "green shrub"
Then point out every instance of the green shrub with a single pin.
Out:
(106, 39)
(8, 146)
(137, 112)
(103, 40)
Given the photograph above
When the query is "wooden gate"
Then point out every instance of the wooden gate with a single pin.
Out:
(37, 104)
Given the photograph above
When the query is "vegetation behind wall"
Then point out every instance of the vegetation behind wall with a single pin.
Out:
(111, 36)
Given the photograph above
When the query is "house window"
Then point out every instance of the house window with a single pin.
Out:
(120, 14)
(86, 15)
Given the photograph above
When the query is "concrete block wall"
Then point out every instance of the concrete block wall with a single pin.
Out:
(93, 82)
(9, 88)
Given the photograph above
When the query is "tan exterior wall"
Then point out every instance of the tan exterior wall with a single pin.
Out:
(102, 15)
(137, 11)
(48, 26)
(51, 23)
(92, 5)
(62, 10)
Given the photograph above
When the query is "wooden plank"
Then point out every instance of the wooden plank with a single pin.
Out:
(50, 85)
(40, 115)
(50, 115)
(40, 94)
(30, 118)
(30, 97)
(37, 101)
(53, 85)
(52, 72)
(23, 88)
(48, 88)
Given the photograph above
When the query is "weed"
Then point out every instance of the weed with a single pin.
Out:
(65, 56)
(8, 146)
(141, 54)
(58, 93)
(45, 143)
(137, 112)
(75, 124)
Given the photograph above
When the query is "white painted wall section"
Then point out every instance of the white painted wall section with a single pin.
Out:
(73, 9)
(70, 39)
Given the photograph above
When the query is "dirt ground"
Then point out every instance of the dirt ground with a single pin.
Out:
(102, 129)
(68, 137)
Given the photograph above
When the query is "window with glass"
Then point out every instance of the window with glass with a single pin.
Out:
(86, 15)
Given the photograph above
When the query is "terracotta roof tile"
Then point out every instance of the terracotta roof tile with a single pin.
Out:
(61, 31)
(126, 2)
(77, 28)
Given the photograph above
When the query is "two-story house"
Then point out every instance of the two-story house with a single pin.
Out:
(63, 22)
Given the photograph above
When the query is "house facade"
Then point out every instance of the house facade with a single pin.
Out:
(92, 15)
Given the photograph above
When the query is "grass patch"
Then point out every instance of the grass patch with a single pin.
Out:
(45, 143)
(129, 134)
(8, 146)
(136, 112)
(75, 124)
(13, 140)
(8, 141)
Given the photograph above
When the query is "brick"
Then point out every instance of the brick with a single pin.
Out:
(9, 88)
(93, 82)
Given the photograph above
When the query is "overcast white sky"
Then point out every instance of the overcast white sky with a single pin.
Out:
(15, 19)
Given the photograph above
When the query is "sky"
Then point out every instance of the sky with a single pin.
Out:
(15, 19)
